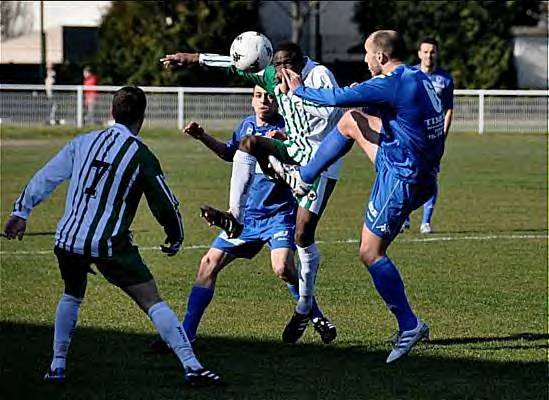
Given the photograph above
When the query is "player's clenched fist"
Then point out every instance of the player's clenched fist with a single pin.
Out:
(180, 59)
(15, 227)
(194, 130)
(276, 134)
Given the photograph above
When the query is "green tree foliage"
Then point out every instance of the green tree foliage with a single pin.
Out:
(474, 36)
(133, 36)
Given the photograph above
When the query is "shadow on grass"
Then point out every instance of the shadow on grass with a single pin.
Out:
(519, 337)
(115, 365)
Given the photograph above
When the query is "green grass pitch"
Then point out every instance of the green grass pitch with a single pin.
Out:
(480, 282)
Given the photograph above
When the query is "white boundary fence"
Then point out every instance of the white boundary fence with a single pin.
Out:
(513, 111)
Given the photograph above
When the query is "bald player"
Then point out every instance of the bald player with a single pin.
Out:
(401, 130)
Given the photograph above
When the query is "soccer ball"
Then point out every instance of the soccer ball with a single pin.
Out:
(251, 51)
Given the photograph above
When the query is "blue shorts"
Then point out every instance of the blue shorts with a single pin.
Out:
(277, 232)
(392, 200)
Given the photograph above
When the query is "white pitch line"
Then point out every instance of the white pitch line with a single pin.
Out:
(346, 241)
(448, 238)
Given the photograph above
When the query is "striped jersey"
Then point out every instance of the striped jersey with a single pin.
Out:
(109, 171)
(306, 123)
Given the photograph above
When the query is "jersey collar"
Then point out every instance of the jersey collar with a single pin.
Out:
(309, 65)
(124, 129)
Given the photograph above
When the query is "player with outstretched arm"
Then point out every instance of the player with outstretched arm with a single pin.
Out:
(269, 219)
(306, 126)
(401, 129)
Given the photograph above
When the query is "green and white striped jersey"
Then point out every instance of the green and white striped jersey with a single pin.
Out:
(109, 171)
(307, 124)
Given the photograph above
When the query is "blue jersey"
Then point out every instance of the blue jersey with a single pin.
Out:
(266, 197)
(444, 86)
(412, 139)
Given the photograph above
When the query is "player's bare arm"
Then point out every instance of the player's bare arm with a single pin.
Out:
(180, 59)
(194, 130)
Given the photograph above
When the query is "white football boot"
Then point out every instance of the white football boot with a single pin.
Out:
(406, 340)
(425, 228)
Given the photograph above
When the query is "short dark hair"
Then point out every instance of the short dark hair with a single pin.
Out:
(428, 40)
(293, 50)
(128, 105)
(391, 43)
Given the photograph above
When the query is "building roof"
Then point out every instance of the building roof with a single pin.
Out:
(539, 30)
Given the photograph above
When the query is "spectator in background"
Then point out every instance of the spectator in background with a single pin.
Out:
(90, 95)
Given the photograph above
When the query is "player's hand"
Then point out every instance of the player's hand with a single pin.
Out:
(292, 80)
(172, 249)
(15, 227)
(276, 134)
(283, 85)
(180, 59)
(194, 130)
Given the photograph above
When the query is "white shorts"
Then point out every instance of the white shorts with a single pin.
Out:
(317, 199)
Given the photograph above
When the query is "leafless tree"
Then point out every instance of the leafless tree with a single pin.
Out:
(299, 13)
(15, 18)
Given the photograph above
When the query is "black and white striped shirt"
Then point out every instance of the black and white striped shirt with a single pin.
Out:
(109, 171)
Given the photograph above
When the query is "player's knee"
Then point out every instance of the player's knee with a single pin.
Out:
(147, 302)
(281, 270)
(248, 143)
(76, 287)
(304, 237)
(305, 231)
(145, 294)
(347, 125)
(77, 294)
(207, 272)
(369, 255)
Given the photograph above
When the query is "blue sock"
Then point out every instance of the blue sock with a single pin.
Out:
(389, 285)
(429, 207)
(333, 147)
(316, 311)
(198, 301)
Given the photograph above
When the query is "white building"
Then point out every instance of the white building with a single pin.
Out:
(21, 29)
(20, 39)
(531, 52)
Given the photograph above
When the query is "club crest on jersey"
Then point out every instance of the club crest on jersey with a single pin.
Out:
(312, 195)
